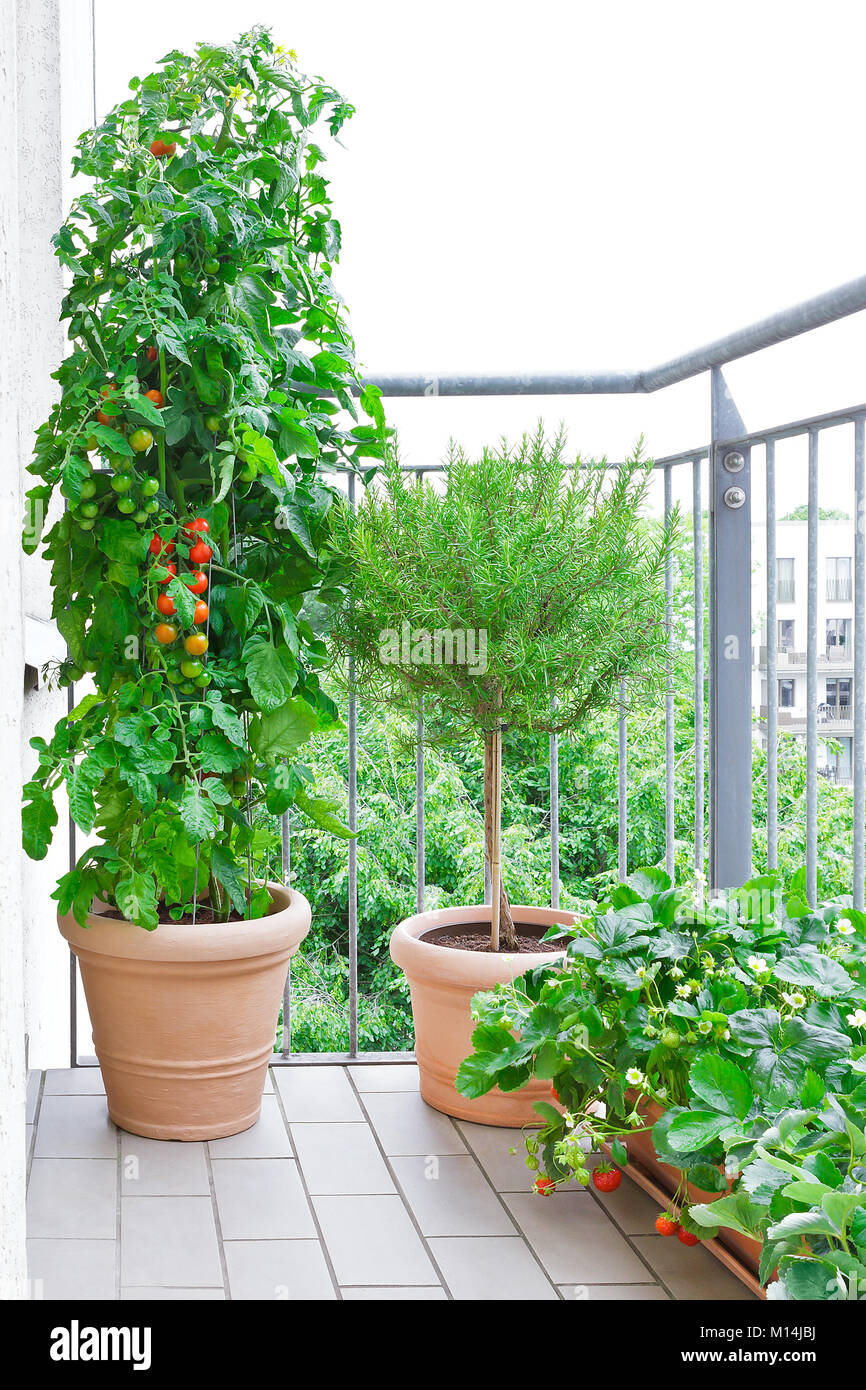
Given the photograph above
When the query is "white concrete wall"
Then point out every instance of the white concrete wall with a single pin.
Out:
(46, 83)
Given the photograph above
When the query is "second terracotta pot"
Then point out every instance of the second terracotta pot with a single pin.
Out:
(184, 1017)
(442, 981)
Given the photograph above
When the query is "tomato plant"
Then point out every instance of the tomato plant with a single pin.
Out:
(209, 387)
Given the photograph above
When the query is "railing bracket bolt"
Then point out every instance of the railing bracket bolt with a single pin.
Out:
(735, 497)
(734, 462)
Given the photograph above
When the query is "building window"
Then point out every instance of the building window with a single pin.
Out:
(785, 580)
(786, 694)
(839, 693)
(838, 638)
(839, 587)
(786, 634)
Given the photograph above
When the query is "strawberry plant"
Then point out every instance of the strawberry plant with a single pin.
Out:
(208, 383)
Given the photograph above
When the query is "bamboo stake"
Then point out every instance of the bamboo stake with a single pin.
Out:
(495, 837)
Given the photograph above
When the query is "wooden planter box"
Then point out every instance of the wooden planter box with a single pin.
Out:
(738, 1253)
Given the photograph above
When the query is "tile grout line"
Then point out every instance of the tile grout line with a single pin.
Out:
(505, 1207)
(217, 1223)
(118, 1226)
(657, 1279)
(400, 1193)
(326, 1254)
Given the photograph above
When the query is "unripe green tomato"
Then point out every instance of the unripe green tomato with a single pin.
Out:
(121, 482)
(188, 279)
(248, 474)
(120, 279)
(86, 524)
(140, 516)
(126, 505)
(88, 489)
(212, 423)
(141, 440)
(150, 487)
(187, 688)
(211, 266)
(191, 669)
(174, 676)
(151, 506)
(89, 509)
(204, 680)
(120, 463)
(181, 261)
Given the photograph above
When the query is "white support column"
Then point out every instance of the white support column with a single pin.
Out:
(46, 85)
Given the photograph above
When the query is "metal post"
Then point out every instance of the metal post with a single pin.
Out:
(812, 679)
(622, 786)
(669, 692)
(420, 847)
(730, 645)
(286, 860)
(353, 844)
(859, 661)
(698, 545)
(772, 666)
(554, 821)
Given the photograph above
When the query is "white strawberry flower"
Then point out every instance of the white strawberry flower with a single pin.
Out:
(796, 1000)
(705, 1027)
(683, 991)
(758, 964)
(845, 929)
(858, 1018)
(634, 1077)
(676, 973)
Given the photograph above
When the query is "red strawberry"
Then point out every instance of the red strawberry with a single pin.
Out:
(545, 1187)
(686, 1237)
(667, 1224)
(605, 1178)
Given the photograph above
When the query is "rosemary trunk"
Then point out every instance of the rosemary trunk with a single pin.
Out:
(502, 933)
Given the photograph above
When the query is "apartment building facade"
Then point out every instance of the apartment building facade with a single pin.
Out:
(835, 639)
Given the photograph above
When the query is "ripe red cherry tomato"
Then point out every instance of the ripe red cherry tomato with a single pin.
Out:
(166, 633)
(108, 390)
(196, 582)
(151, 353)
(201, 612)
(158, 545)
(156, 397)
(161, 149)
(165, 605)
(103, 418)
(200, 553)
(196, 644)
(171, 571)
(192, 529)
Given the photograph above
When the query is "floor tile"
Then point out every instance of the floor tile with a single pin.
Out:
(341, 1159)
(261, 1199)
(170, 1242)
(405, 1124)
(574, 1239)
(74, 1081)
(75, 1127)
(269, 1083)
(688, 1279)
(491, 1268)
(633, 1210)
(72, 1198)
(158, 1168)
(389, 1295)
(386, 1076)
(372, 1241)
(449, 1196)
(507, 1171)
(29, 1131)
(312, 1094)
(152, 1295)
(614, 1293)
(34, 1079)
(267, 1138)
(278, 1270)
(72, 1269)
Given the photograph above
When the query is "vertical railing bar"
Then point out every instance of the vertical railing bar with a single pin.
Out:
(420, 844)
(353, 844)
(622, 785)
(859, 661)
(554, 821)
(669, 689)
(698, 544)
(73, 962)
(812, 679)
(420, 825)
(772, 665)
(286, 864)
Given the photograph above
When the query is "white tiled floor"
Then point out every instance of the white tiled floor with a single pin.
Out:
(348, 1187)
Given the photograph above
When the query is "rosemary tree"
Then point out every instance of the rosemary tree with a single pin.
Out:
(518, 596)
(209, 368)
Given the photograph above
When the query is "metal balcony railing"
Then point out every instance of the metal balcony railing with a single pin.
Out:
(722, 635)
(785, 590)
(839, 590)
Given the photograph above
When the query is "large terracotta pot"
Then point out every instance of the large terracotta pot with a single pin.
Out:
(184, 1017)
(442, 981)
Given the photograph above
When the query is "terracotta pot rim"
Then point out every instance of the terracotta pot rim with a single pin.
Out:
(279, 932)
(476, 969)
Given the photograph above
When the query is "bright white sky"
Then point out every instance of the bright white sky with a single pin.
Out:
(574, 186)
